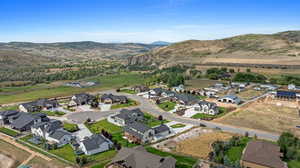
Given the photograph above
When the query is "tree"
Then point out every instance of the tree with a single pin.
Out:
(231, 70)
(248, 70)
(160, 117)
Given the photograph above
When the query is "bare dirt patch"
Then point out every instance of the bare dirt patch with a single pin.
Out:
(267, 115)
(6, 161)
(38, 162)
(200, 146)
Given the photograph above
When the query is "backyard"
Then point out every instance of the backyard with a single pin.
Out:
(129, 104)
(167, 105)
(9, 132)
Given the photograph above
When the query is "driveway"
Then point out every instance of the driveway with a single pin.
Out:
(83, 132)
(147, 106)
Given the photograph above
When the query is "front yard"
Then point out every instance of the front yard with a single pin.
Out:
(70, 127)
(167, 105)
(222, 112)
(130, 103)
(152, 121)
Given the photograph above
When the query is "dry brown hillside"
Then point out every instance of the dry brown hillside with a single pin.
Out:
(280, 48)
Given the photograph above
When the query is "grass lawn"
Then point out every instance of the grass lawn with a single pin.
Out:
(235, 153)
(115, 131)
(129, 91)
(9, 132)
(29, 93)
(9, 108)
(53, 113)
(100, 165)
(293, 164)
(177, 126)
(201, 97)
(182, 161)
(130, 103)
(70, 127)
(167, 106)
(103, 157)
(65, 152)
(104, 124)
(222, 112)
(152, 121)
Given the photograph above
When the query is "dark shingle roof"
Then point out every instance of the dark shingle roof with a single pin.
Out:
(58, 134)
(161, 128)
(114, 98)
(263, 153)
(50, 126)
(137, 129)
(94, 141)
(8, 113)
(187, 98)
(138, 157)
(26, 118)
(130, 115)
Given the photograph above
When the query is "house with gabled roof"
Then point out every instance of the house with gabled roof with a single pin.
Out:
(41, 104)
(233, 99)
(95, 144)
(126, 116)
(82, 99)
(5, 115)
(206, 107)
(186, 99)
(138, 132)
(113, 99)
(138, 157)
(24, 121)
(262, 154)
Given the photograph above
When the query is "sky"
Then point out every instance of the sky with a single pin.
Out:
(143, 20)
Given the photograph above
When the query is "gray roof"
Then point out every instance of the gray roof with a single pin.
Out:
(211, 105)
(40, 103)
(26, 118)
(161, 128)
(130, 115)
(137, 129)
(58, 134)
(94, 141)
(114, 98)
(83, 98)
(50, 126)
(8, 113)
(187, 98)
(138, 157)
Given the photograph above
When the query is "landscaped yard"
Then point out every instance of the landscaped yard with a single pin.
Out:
(130, 103)
(115, 131)
(152, 121)
(182, 161)
(293, 164)
(9, 132)
(53, 113)
(222, 112)
(129, 91)
(177, 126)
(167, 106)
(65, 152)
(98, 126)
(70, 127)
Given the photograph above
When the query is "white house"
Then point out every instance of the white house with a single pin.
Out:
(206, 108)
(95, 144)
(179, 88)
(230, 99)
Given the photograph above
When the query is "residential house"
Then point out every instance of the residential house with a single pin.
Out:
(293, 87)
(186, 99)
(41, 104)
(140, 88)
(24, 121)
(112, 99)
(233, 99)
(82, 99)
(262, 154)
(138, 132)
(52, 131)
(178, 89)
(269, 87)
(60, 137)
(126, 116)
(138, 157)
(206, 107)
(5, 115)
(95, 144)
(162, 130)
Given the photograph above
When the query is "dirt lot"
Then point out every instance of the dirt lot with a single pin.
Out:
(38, 162)
(195, 142)
(200, 146)
(267, 115)
(12, 154)
(249, 93)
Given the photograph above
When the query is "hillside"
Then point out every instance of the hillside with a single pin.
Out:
(15, 54)
(279, 48)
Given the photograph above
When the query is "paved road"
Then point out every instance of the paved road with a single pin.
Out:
(147, 106)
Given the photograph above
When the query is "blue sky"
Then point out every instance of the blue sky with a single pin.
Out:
(143, 20)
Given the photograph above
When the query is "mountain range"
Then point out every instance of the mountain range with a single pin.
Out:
(278, 48)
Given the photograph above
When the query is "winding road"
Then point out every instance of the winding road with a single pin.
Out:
(149, 107)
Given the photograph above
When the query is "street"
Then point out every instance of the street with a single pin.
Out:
(149, 107)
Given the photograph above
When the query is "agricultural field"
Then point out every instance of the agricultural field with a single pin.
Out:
(265, 116)
(200, 146)
(29, 93)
